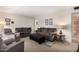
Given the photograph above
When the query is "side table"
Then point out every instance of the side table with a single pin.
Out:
(61, 38)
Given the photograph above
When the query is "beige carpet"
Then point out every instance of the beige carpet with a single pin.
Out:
(32, 46)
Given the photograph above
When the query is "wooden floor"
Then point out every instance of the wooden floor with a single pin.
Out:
(32, 46)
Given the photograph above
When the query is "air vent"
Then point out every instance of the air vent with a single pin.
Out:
(75, 8)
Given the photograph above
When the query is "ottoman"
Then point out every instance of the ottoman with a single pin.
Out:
(37, 37)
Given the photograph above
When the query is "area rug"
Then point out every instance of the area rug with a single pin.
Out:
(48, 43)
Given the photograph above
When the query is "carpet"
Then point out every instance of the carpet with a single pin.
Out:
(48, 43)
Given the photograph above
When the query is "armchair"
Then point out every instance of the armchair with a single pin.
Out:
(8, 36)
(8, 44)
(14, 47)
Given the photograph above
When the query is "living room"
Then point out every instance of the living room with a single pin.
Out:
(25, 21)
(61, 17)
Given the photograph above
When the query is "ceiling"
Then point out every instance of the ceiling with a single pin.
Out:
(32, 11)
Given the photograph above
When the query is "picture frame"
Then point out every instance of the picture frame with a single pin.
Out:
(7, 20)
(46, 21)
(7, 23)
(50, 21)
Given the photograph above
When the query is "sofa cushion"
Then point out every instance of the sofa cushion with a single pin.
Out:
(8, 39)
(7, 31)
(2, 45)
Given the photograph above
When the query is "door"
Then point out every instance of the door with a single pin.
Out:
(75, 26)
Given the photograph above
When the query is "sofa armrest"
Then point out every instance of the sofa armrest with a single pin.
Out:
(17, 34)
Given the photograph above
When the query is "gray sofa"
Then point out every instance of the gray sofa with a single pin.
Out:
(14, 47)
(10, 42)
(48, 33)
(24, 31)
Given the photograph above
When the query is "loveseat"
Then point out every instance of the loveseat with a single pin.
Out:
(24, 31)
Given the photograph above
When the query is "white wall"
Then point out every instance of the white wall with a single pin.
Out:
(60, 17)
(19, 20)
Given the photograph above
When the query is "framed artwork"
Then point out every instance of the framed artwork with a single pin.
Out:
(36, 23)
(46, 21)
(50, 21)
(7, 20)
(7, 23)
